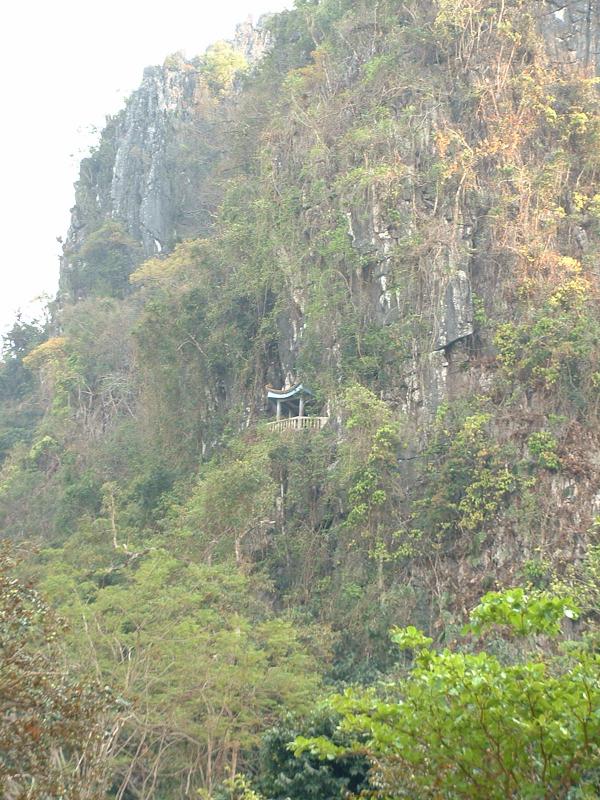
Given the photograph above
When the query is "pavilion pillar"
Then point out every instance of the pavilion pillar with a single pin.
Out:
(301, 406)
(279, 409)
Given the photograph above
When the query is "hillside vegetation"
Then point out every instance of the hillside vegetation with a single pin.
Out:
(397, 204)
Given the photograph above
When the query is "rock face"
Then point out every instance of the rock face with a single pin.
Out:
(126, 177)
(129, 179)
(141, 189)
(252, 41)
(573, 32)
(150, 170)
(153, 173)
(417, 224)
(456, 317)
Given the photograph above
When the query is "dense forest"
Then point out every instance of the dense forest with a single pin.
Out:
(392, 203)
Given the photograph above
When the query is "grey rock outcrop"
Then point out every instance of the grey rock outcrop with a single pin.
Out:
(151, 170)
(572, 30)
(141, 189)
(456, 317)
(252, 41)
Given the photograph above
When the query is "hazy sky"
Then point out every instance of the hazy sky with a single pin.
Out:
(65, 65)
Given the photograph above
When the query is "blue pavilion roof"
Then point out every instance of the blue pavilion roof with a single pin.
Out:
(287, 394)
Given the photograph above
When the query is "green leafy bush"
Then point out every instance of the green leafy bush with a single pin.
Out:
(466, 725)
(543, 447)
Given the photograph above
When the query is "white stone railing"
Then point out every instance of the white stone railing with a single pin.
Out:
(298, 424)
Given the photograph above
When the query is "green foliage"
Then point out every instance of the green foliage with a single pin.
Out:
(203, 664)
(543, 446)
(102, 266)
(582, 580)
(45, 707)
(470, 474)
(281, 776)
(555, 349)
(479, 314)
(21, 339)
(210, 568)
(523, 613)
(233, 508)
(221, 64)
(466, 725)
(410, 638)
(19, 412)
(237, 788)
(370, 455)
(536, 572)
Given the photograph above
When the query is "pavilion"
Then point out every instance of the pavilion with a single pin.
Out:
(290, 408)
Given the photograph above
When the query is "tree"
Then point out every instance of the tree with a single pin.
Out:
(471, 725)
(54, 740)
(220, 66)
(203, 665)
(18, 408)
(281, 776)
(103, 264)
(370, 464)
(233, 508)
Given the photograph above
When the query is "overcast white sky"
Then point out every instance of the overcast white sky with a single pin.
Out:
(65, 65)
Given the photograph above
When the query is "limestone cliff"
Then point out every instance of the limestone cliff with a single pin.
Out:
(150, 171)
(397, 198)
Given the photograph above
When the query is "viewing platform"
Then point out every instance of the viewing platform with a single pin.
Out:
(298, 424)
(290, 405)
